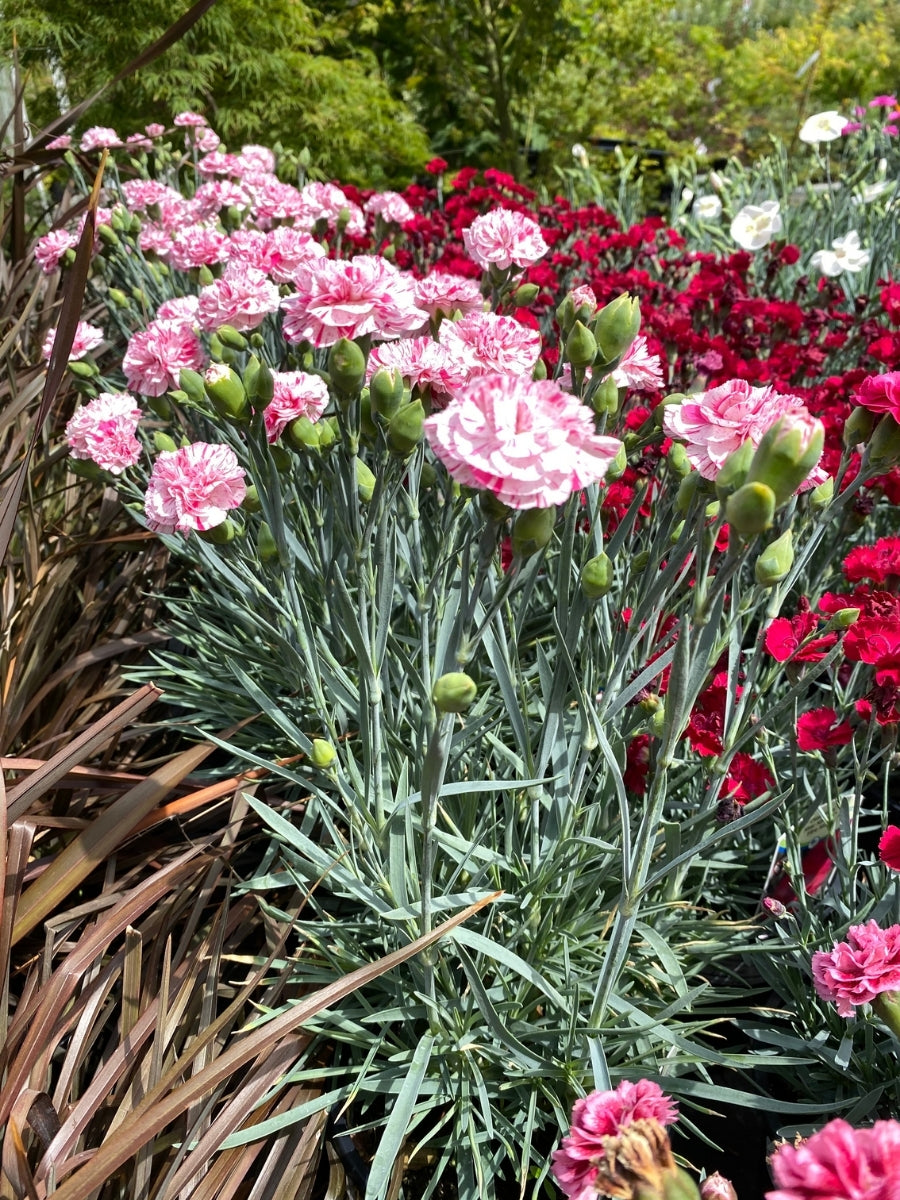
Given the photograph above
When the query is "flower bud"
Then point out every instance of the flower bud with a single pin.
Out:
(525, 294)
(118, 297)
(775, 561)
(281, 459)
(843, 619)
(581, 346)
(884, 445)
(365, 481)
(858, 427)
(786, 454)
(616, 326)
(689, 487)
(108, 235)
(606, 398)
(251, 502)
(205, 276)
(717, 1187)
(302, 434)
(84, 369)
(678, 460)
(454, 692)
(540, 370)
(386, 392)
(191, 383)
(225, 390)
(229, 336)
(532, 530)
(733, 472)
(492, 507)
(618, 466)
(657, 723)
(640, 562)
(322, 754)
(821, 496)
(597, 576)
(162, 405)
(329, 431)
(162, 442)
(406, 428)
(220, 535)
(266, 546)
(565, 314)
(346, 367)
(751, 509)
(660, 411)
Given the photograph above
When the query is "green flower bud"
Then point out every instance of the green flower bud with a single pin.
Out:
(135, 225)
(220, 535)
(618, 466)
(616, 326)
(86, 469)
(640, 562)
(565, 314)
(493, 509)
(250, 378)
(216, 348)
(581, 346)
(428, 476)
(346, 367)
(786, 454)
(406, 428)
(821, 496)
(775, 561)
(733, 472)
(525, 294)
(323, 754)
(751, 509)
(712, 510)
(386, 392)
(162, 441)
(884, 445)
(843, 618)
(660, 411)
(858, 427)
(678, 460)
(117, 220)
(191, 383)
(84, 369)
(205, 276)
(118, 297)
(365, 481)
(108, 235)
(229, 336)
(329, 432)
(281, 459)
(676, 533)
(532, 530)
(597, 576)
(687, 490)
(251, 503)
(266, 546)
(302, 434)
(368, 430)
(162, 405)
(225, 390)
(606, 398)
(454, 692)
(657, 722)
(539, 371)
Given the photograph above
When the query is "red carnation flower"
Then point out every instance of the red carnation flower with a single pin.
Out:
(820, 728)
(876, 562)
(889, 847)
(436, 166)
(880, 393)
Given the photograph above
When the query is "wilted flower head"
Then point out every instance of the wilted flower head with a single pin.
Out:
(822, 127)
(845, 254)
(103, 431)
(840, 1163)
(193, 488)
(756, 224)
(856, 971)
(503, 237)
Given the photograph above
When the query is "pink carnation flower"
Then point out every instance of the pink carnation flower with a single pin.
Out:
(210, 198)
(243, 297)
(198, 246)
(529, 443)
(52, 247)
(390, 206)
(206, 140)
(339, 298)
(446, 293)
(193, 488)
(87, 337)
(179, 308)
(296, 395)
(63, 142)
(502, 237)
(287, 248)
(856, 971)
(154, 129)
(840, 1163)
(272, 199)
(187, 120)
(103, 431)
(99, 137)
(714, 423)
(639, 369)
(326, 202)
(217, 163)
(155, 356)
(600, 1115)
(256, 158)
(138, 141)
(492, 343)
(422, 361)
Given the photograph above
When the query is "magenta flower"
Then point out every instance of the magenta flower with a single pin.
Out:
(193, 488)
(103, 432)
(502, 237)
(840, 1163)
(889, 847)
(600, 1115)
(856, 971)
(243, 298)
(156, 356)
(87, 337)
(296, 395)
(529, 443)
(336, 298)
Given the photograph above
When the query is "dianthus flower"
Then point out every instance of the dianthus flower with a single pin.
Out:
(243, 298)
(880, 394)
(503, 237)
(287, 248)
(179, 308)
(297, 394)
(189, 120)
(879, 562)
(155, 356)
(198, 246)
(194, 487)
(856, 971)
(820, 729)
(493, 343)
(390, 206)
(602, 1115)
(210, 198)
(52, 248)
(716, 422)
(103, 431)
(256, 158)
(889, 847)
(326, 202)
(840, 1163)
(337, 298)
(99, 137)
(87, 337)
(447, 293)
(526, 441)
(639, 369)
(424, 362)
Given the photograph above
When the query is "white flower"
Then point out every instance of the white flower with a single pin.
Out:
(580, 154)
(707, 208)
(822, 127)
(845, 254)
(718, 182)
(756, 224)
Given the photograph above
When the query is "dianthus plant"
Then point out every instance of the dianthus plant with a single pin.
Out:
(496, 634)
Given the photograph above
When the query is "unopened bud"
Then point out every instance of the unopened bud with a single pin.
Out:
(581, 346)
(618, 466)
(406, 428)
(84, 369)
(322, 754)
(688, 488)
(229, 336)
(606, 398)
(821, 496)
(118, 297)
(597, 576)
(884, 445)
(717, 1187)
(346, 367)
(733, 472)
(775, 561)
(162, 405)
(678, 460)
(786, 454)
(163, 443)
(225, 390)
(525, 294)
(251, 502)
(751, 509)
(858, 427)
(302, 434)
(540, 370)
(266, 546)
(616, 326)
(365, 481)
(386, 392)
(205, 276)
(454, 692)
(108, 235)
(843, 618)
(220, 535)
(191, 383)
(640, 561)
(532, 530)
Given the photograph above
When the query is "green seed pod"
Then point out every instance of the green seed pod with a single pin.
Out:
(532, 530)
(751, 509)
(618, 466)
(539, 370)
(775, 561)
(884, 445)
(229, 336)
(386, 392)
(678, 460)
(454, 692)
(597, 576)
(616, 326)
(162, 442)
(640, 562)
(733, 472)
(118, 297)
(365, 482)
(205, 276)
(406, 428)
(266, 546)
(346, 367)
(581, 346)
(323, 754)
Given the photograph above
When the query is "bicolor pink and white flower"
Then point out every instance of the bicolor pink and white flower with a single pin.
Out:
(256, 158)
(287, 248)
(87, 338)
(198, 246)
(243, 298)
(326, 202)
(423, 362)
(502, 238)
(189, 120)
(601, 1115)
(840, 1163)
(297, 394)
(448, 293)
(53, 247)
(856, 971)
(157, 354)
(639, 369)
(492, 343)
(390, 206)
(714, 423)
(338, 298)
(99, 137)
(179, 308)
(526, 441)
(103, 431)
(193, 488)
